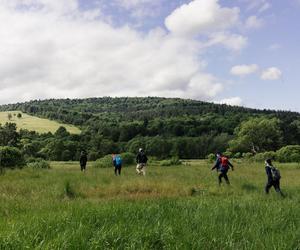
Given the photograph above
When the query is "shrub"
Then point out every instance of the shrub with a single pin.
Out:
(128, 158)
(289, 153)
(261, 157)
(174, 161)
(211, 157)
(228, 154)
(11, 157)
(247, 155)
(237, 155)
(38, 164)
(104, 162)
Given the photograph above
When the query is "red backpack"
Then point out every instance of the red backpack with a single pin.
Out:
(224, 161)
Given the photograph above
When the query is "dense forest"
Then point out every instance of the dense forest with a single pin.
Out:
(165, 127)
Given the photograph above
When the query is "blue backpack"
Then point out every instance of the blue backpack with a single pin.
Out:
(118, 160)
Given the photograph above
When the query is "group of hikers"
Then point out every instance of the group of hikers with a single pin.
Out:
(117, 162)
(222, 165)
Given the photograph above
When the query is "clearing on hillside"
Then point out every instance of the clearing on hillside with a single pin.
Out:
(33, 123)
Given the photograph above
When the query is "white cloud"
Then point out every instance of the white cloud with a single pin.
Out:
(253, 22)
(201, 16)
(272, 73)
(139, 9)
(49, 49)
(259, 5)
(242, 70)
(230, 41)
(233, 101)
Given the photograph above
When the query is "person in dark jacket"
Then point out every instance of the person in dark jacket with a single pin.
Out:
(83, 161)
(273, 178)
(222, 165)
(141, 160)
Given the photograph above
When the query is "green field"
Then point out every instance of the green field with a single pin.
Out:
(179, 207)
(33, 123)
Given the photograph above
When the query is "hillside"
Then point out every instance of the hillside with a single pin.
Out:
(33, 123)
(165, 127)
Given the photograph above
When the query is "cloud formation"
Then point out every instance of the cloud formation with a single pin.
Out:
(272, 73)
(201, 16)
(55, 49)
(242, 70)
(253, 22)
(233, 101)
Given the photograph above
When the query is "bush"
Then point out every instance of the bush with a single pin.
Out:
(247, 155)
(211, 157)
(38, 164)
(104, 162)
(228, 154)
(261, 157)
(174, 161)
(128, 158)
(237, 155)
(11, 157)
(289, 153)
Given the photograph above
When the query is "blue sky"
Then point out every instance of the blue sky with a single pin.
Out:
(242, 52)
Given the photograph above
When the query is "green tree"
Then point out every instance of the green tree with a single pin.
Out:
(257, 135)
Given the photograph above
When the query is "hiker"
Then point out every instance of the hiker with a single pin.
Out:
(83, 160)
(222, 165)
(117, 162)
(273, 175)
(141, 160)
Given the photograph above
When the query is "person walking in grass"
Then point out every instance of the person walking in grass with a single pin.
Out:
(141, 160)
(117, 162)
(222, 165)
(83, 161)
(273, 175)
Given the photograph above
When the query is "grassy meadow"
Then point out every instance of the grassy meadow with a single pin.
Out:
(33, 123)
(177, 207)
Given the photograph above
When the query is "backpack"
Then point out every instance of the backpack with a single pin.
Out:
(224, 162)
(118, 160)
(275, 173)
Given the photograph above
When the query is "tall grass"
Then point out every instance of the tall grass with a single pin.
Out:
(171, 208)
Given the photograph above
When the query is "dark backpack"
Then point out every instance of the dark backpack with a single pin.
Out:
(275, 173)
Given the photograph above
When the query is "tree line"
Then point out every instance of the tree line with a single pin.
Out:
(164, 127)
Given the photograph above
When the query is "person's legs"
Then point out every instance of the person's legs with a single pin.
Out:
(116, 170)
(138, 168)
(144, 169)
(119, 170)
(226, 178)
(268, 186)
(82, 167)
(277, 187)
(220, 178)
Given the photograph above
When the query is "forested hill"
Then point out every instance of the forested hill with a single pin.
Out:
(164, 126)
(78, 111)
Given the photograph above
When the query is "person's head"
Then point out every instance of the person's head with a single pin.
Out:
(141, 150)
(218, 154)
(269, 162)
(83, 152)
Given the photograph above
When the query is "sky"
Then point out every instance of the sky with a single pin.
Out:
(238, 52)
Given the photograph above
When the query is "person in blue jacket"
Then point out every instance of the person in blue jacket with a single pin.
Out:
(117, 162)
